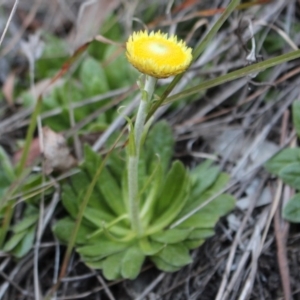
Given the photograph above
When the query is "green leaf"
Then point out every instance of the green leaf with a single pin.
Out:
(291, 211)
(296, 116)
(175, 255)
(111, 192)
(96, 265)
(97, 217)
(63, 231)
(162, 265)
(25, 223)
(14, 241)
(142, 177)
(92, 161)
(132, 262)
(201, 219)
(193, 244)
(102, 248)
(6, 166)
(152, 195)
(116, 163)
(173, 187)
(282, 159)
(171, 236)
(172, 198)
(25, 244)
(53, 47)
(70, 200)
(203, 177)
(80, 183)
(118, 71)
(106, 183)
(159, 142)
(195, 199)
(112, 266)
(93, 77)
(90, 165)
(291, 175)
(208, 216)
(150, 247)
(201, 234)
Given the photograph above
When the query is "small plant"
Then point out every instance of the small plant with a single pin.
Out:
(22, 237)
(286, 165)
(140, 204)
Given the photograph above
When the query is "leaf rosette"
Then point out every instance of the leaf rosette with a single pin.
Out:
(167, 193)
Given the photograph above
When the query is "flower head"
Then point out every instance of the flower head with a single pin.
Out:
(158, 55)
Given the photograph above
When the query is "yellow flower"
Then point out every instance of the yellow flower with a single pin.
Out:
(158, 55)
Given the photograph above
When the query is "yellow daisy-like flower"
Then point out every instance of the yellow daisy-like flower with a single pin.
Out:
(158, 55)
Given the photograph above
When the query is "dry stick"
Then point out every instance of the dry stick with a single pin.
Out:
(95, 114)
(12, 121)
(8, 21)
(256, 142)
(280, 232)
(56, 267)
(251, 277)
(151, 286)
(256, 254)
(208, 276)
(39, 232)
(280, 32)
(220, 293)
(45, 216)
(247, 288)
(218, 99)
(282, 257)
(95, 290)
(250, 248)
(260, 138)
(237, 239)
(25, 24)
(117, 123)
(16, 286)
(106, 288)
(14, 272)
(200, 119)
(275, 204)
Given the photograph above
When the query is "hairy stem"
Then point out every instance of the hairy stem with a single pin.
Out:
(133, 160)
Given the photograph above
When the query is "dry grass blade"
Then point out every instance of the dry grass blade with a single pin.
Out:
(9, 20)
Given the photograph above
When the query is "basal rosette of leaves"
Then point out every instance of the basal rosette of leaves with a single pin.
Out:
(168, 191)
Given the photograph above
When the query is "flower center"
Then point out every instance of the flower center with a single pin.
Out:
(158, 48)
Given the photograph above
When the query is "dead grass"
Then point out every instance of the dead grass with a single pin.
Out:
(254, 254)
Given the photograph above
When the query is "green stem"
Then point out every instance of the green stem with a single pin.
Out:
(133, 160)
(4, 226)
(143, 111)
(29, 137)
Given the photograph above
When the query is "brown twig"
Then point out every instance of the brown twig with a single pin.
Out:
(281, 232)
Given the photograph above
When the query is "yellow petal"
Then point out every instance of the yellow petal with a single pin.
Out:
(158, 55)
